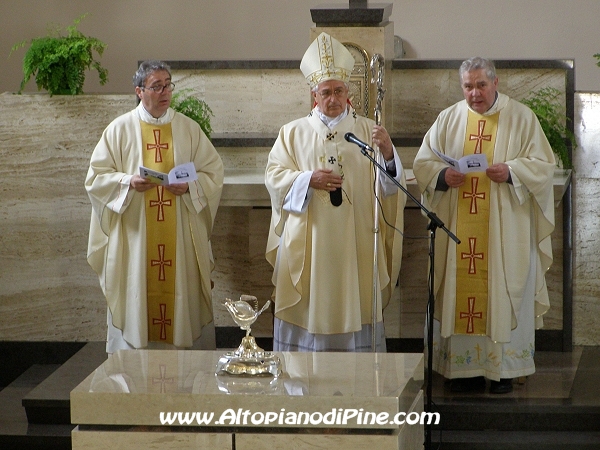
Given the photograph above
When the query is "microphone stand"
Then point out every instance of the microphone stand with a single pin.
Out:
(434, 224)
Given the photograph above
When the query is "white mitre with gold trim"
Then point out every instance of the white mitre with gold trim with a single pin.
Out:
(326, 59)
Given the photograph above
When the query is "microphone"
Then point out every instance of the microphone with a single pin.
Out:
(351, 138)
(336, 197)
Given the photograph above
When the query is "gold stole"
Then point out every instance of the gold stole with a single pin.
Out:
(161, 234)
(472, 227)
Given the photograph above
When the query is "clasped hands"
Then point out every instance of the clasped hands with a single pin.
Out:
(498, 173)
(143, 184)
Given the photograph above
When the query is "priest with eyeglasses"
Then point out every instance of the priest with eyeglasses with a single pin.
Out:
(321, 242)
(149, 242)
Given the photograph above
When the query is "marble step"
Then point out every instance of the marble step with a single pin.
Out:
(503, 416)
(516, 440)
(15, 431)
(48, 402)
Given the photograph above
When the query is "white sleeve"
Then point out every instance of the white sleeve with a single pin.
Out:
(124, 194)
(519, 189)
(387, 185)
(299, 196)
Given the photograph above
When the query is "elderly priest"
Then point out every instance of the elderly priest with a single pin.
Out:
(321, 242)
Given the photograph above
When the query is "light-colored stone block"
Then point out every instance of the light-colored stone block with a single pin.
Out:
(149, 439)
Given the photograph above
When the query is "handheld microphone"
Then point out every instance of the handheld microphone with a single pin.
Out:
(336, 197)
(351, 138)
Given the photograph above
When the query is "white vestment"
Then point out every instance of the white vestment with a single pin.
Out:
(520, 251)
(117, 238)
(323, 254)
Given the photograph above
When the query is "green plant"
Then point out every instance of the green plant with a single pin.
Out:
(59, 62)
(597, 56)
(550, 113)
(196, 109)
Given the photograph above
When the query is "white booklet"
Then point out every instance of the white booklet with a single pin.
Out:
(182, 173)
(468, 163)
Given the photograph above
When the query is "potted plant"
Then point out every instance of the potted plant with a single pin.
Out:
(195, 108)
(59, 62)
(550, 113)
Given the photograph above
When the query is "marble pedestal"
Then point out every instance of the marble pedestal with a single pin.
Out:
(322, 400)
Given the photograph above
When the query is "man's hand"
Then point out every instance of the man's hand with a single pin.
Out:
(382, 139)
(141, 184)
(498, 173)
(325, 179)
(454, 178)
(177, 188)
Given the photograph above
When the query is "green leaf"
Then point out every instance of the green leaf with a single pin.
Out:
(59, 63)
(195, 108)
(550, 113)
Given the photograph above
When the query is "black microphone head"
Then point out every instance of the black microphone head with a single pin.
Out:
(336, 197)
(348, 136)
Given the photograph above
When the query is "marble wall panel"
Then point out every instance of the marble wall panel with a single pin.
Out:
(249, 101)
(418, 95)
(251, 158)
(586, 156)
(230, 250)
(586, 304)
(239, 241)
(417, 98)
(47, 289)
(586, 308)
(285, 97)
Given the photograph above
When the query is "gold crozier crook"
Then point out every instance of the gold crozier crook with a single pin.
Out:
(377, 72)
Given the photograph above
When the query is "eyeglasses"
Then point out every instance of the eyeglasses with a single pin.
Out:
(338, 92)
(159, 89)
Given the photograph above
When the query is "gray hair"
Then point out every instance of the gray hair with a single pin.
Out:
(477, 63)
(146, 68)
(316, 88)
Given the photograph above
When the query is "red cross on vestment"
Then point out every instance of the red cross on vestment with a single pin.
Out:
(157, 146)
(163, 321)
(161, 203)
(472, 255)
(471, 315)
(161, 262)
(162, 380)
(474, 195)
(480, 136)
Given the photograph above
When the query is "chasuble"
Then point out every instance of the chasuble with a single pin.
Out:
(492, 285)
(152, 250)
(323, 256)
